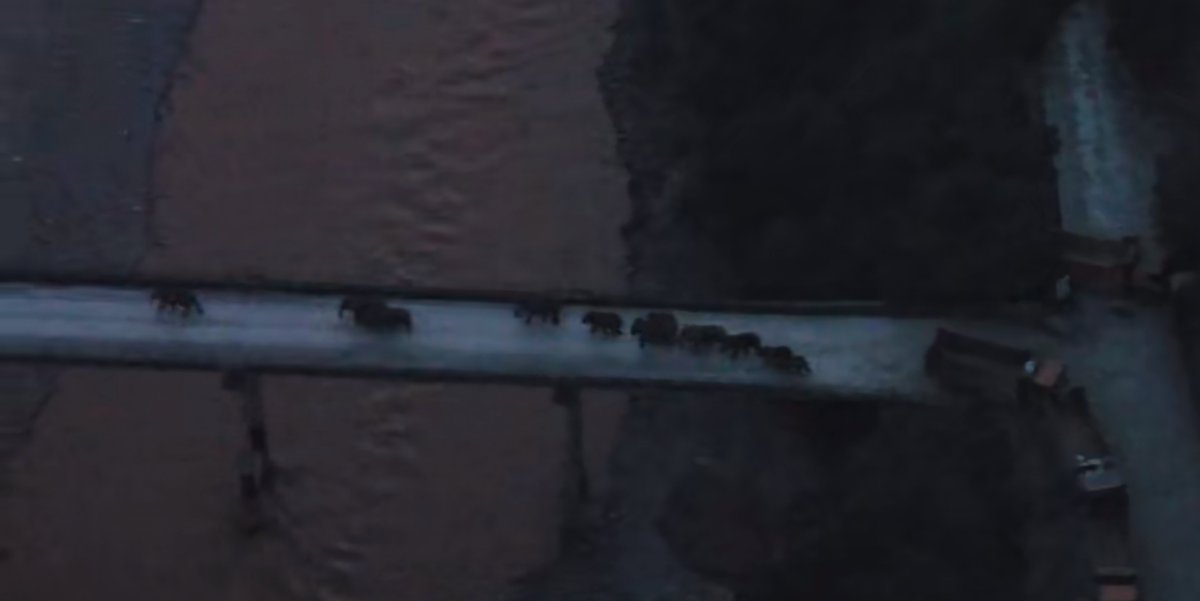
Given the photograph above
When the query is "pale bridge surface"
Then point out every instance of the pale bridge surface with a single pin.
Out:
(301, 332)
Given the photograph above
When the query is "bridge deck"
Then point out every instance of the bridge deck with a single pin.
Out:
(468, 340)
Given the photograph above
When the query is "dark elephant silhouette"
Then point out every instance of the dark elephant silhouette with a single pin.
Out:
(657, 328)
(374, 314)
(181, 300)
(603, 322)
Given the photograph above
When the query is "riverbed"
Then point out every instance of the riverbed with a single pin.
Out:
(448, 144)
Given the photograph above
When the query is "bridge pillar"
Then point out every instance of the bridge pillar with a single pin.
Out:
(255, 468)
(576, 491)
(568, 397)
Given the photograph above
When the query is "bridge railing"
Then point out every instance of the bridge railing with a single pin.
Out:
(864, 308)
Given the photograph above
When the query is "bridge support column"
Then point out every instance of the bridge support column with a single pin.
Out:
(568, 398)
(576, 491)
(255, 468)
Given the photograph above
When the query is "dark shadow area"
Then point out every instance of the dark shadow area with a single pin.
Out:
(874, 503)
(844, 150)
(789, 498)
(821, 150)
(1158, 41)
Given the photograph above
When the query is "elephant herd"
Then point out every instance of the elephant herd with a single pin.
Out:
(663, 329)
(656, 328)
(368, 312)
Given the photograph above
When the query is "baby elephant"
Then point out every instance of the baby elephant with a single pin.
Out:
(741, 344)
(603, 322)
(542, 310)
(375, 314)
(177, 299)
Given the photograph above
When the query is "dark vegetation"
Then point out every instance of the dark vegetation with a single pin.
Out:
(1158, 40)
(1159, 43)
(884, 149)
(889, 149)
(865, 502)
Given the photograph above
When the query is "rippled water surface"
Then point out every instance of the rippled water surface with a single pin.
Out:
(454, 143)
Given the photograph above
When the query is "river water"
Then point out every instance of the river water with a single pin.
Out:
(457, 143)
(453, 144)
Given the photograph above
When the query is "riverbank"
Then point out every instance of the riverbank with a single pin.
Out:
(81, 98)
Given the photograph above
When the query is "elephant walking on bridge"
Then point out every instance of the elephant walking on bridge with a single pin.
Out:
(741, 344)
(375, 314)
(603, 322)
(177, 299)
(656, 328)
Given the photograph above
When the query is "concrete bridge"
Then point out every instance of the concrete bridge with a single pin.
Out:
(855, 349)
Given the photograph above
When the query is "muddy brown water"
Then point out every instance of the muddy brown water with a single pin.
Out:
(449, 144)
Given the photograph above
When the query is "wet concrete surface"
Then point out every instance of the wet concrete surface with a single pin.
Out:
(1131, 366)
(1139, 391)
(1108, 145)
(851, 356)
